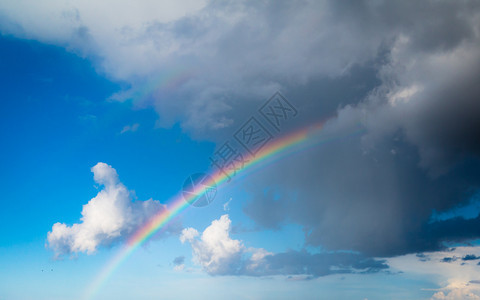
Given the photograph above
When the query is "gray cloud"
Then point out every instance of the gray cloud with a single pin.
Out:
(470, 257)
(179, 260)
(316, 265)
(449, 259)
(406, 71)
(422, 257)
(375, 192)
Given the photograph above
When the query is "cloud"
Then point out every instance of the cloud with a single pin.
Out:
(315, 265)
(218, 254)
(179, 263)
(470, 257)
(374, 192)
(456, 279)
(226, 205)
(108, 217)
(179, 260)
(215, 251)
(455, 294)
(130, 128)
(189, 60)
(449, 259)
(347, 194)
(422, 257)
(406, 71)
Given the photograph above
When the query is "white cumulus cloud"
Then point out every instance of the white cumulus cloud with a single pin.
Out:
(455, 295)
(106, 218)
(216, 252)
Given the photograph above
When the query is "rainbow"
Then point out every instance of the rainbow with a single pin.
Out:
(179, 203)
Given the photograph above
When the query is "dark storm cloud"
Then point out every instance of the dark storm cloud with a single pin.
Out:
(378, 202)
(453, 230)
(375, 192)
(431, 25)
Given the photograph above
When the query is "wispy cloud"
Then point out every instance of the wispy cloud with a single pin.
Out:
(226, 205)
(130, 128)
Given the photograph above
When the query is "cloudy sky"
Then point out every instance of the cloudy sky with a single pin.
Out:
(107, 108)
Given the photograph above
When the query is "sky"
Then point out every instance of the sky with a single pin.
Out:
(332, 149)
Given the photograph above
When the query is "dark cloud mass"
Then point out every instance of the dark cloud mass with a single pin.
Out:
(374, 192)
(406, 72)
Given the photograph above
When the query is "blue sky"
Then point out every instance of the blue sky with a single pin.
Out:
(107, 109)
